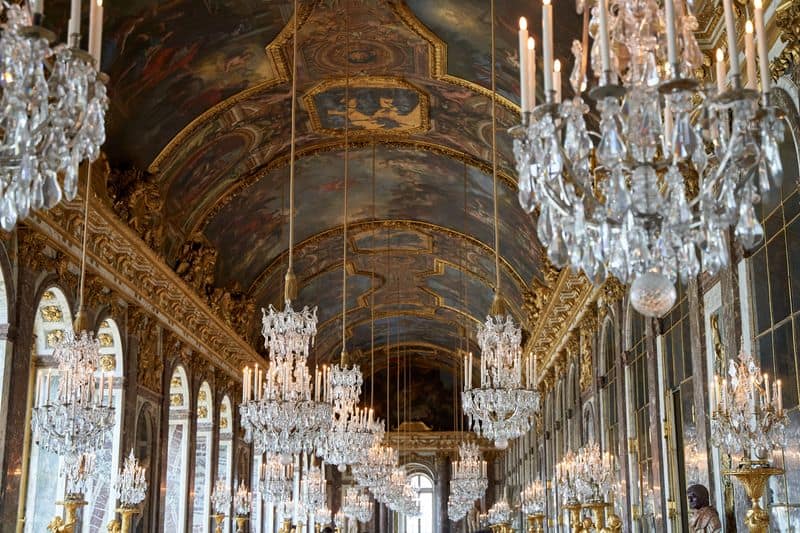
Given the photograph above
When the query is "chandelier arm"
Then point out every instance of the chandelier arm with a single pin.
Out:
(290, 283)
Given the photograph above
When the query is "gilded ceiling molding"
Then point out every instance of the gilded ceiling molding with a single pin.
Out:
(383, 139)
(787, 20)
(571, 295)
(374, 225)
(116, 254)
(149, 360)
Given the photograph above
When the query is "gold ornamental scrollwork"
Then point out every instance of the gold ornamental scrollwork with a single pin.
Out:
(787, 19)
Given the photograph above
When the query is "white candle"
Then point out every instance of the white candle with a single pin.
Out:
(100, 386)
(557, 79)
(39, 390)
(47, 387)
(672, 49)
(730, 29)
(766, 389)
(531, 72)
(720, 71)
(74, 19)
(96, 30)
(780, 396)
(667, 122)
(750, 54)
(523, 65)
(547, 46)
(37, 7)
(110, 382)
(605, 55)
(761, 35)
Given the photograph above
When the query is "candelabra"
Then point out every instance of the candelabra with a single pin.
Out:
(313, 487)
(242, 501)
(322, 517)
(340, 521)
(357, 505)
(534, 499)
(220, 501)
(676, 164)
(499, 517)
(749, 420)
(504, 405)
(80, 418)
(566, 477)
(50, 123)
(131, 489)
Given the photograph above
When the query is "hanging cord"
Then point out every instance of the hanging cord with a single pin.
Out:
(81, 320)
(497, 306)
(463, 287)
(290, 286)
(346, 173)
(372, 294)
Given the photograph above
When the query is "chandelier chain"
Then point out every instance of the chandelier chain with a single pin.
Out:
(346, 174)
(494, 159)
(85, 237)
(292, 147)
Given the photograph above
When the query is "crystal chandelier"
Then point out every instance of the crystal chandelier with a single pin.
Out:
(749, 418)
(220, 497)
(675, 165)
(376, 468)
(499, 513)
(357, 505)
(131, 484)
(340, 520)
(350, 438)
(242, 500)
(313, 486)
(533, 498)
(79, 419)
(280, 412)
(468, 482)
(504, 405)
(275, 479)
(50, 124)
(594, 473)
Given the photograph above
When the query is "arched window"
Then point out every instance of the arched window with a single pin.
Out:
(102, 499)
(203, 470)
(424, 522)
(225, 458)
(177, 452)
(45, 484)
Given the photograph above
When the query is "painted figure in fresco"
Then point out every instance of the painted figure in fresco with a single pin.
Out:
(702, 517)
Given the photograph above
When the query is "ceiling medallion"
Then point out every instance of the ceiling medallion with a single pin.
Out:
(676, 163)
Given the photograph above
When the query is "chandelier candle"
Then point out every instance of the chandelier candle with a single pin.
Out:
(523, 65)
(761, 35)
(557, 79)
(74, 30)
(730, 29)
(750, 54)
(96, 30)
(605, 55)
(531, 73)
(547, 47)
(720, 66)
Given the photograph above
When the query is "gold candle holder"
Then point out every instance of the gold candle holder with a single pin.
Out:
(71, 504)
(574, 509)
(219, 521)
(536, 523)
(754, 477)
(241, 523)
(286, 527)
(597, 508)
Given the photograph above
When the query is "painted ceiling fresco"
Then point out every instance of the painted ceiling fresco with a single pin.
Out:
(200, 99)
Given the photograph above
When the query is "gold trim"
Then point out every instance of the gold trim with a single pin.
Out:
(378, 82)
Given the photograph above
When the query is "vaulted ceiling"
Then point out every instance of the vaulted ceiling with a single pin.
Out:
(200, 99)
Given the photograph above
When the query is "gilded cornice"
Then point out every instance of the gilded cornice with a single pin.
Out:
(434, 441)
(787, 20)
(116, 254)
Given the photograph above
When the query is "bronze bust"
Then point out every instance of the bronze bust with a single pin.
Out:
(702, 517)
